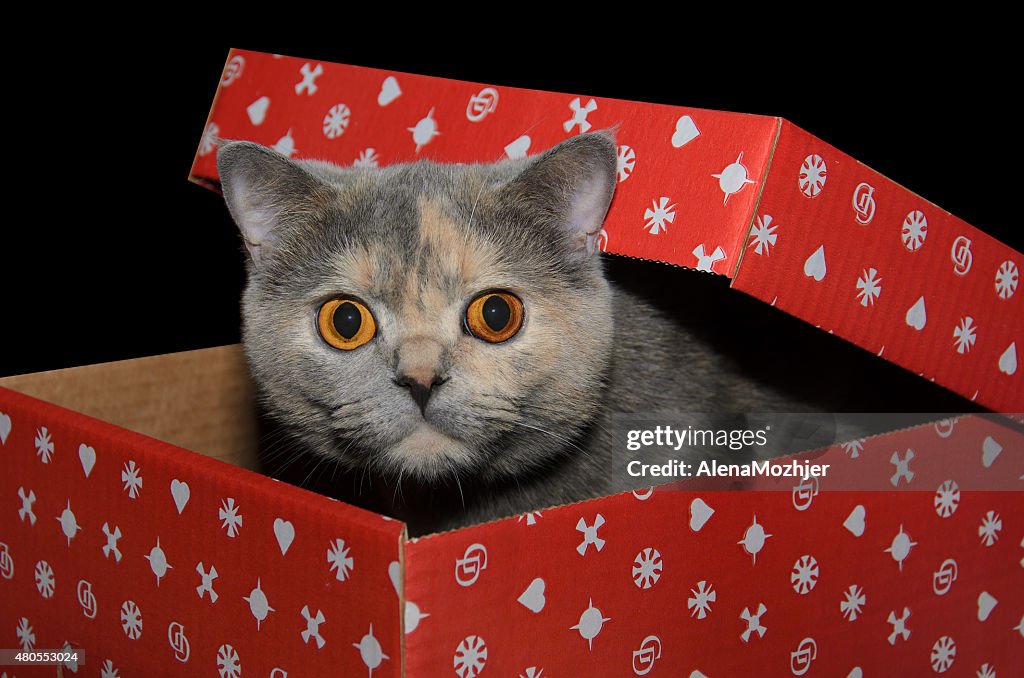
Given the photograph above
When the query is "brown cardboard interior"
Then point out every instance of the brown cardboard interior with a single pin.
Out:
(201, 400)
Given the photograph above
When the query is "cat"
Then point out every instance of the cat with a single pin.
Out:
(446, 337)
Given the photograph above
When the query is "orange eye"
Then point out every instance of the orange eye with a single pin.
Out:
(345, 323)
(494, 316)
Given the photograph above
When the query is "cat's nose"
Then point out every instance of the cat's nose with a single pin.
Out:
(421, 386)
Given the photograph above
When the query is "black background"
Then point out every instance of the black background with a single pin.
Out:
(108, 252)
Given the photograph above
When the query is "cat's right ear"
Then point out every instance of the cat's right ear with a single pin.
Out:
(265, 193)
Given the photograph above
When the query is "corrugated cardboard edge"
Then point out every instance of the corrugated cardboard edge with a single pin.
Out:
(192, 176)
(779, 122)
(209, 388)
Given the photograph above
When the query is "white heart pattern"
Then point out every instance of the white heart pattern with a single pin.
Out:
(986, 603)
(389, 91)
(87, 455)
(180, 493)
(686, 131)
(1008, 360)
(285, 533)
(518, 148)
(533, 597)
(5, 427)
(916, 316)
(855, 521)
(990, 449)
(814, 267)
(700, 513)
(257, 110)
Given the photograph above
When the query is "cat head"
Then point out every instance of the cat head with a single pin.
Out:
(427, 319)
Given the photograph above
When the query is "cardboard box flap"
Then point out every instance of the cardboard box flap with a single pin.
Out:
(793, 220)
(147, 554)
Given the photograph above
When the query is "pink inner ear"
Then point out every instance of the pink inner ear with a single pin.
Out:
(256, 221)
(587, 211)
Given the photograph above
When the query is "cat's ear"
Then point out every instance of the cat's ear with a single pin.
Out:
(572, 182)
(265, 193)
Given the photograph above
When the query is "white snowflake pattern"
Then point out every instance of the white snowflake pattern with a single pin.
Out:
(108, 670)
(44, 445)
(763, 235)
(530, 518)
(340, 560)
(228, 662)
(965, 334)
(943, 654)
(1006, 279)
(813, 173)
(208, 144)
(990, 528)
(336, 121)
(700, 602)
(26, 636)
(131, 619)
(625, 161)
(854, 447)
(131, 476)
(869, 287)
(853, 602)
(229, 516)
(647, 568)
(45, 582)
(753, 620)
(804, 576)
(915, 230)
(986, 671)
(367, 159)
(947, 498)
(659, 215)
(470, 657)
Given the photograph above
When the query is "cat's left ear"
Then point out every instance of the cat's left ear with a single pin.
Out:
(572, 182)
(266, 193)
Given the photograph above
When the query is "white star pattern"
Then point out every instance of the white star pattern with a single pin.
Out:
(44, 445)
(131, 620)
(208, 144)
(231, 520)
(259, 606)
(943, 654)
(340, 560)
(336, 121)
(915, 230)
(229, 664)
(899, 625)
(132, 479)
(659, 215)
(813, 173)
(763, 236)
(700, 601)
(989, 529)
(45, 582)
(624, 163)
(753, 622)
(367, 158)
(947, 498)
(869, 287)
(804, 576)
(470, 657)
(900, 547)
(647, 568)
(853, 602)
(965, 334)
(853, 448)
(26, 636)
(590, 624)
(1006, 279)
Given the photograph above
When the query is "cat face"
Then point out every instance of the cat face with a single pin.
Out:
(427, 319)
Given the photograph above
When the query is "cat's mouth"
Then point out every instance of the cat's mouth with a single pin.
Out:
(429, 452)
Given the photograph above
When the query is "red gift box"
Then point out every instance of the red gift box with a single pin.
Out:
(155, 559)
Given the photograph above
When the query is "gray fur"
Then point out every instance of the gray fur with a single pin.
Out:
(523, 424)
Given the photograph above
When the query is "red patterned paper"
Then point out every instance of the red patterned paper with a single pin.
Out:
(159, 561)
(921, 574)
(690, 181)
